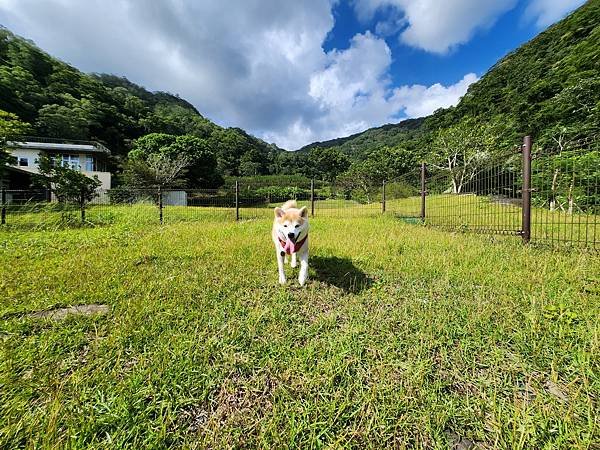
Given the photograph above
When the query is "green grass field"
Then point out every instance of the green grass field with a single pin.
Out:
(404, 337)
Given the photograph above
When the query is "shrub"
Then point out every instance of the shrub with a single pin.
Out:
(401, 189)
(124, 195)
(274, 194)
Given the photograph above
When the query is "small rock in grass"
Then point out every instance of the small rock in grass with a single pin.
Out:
(556, 391)
(455, 442)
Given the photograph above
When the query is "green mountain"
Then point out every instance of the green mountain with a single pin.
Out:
(361, 143)
(550, 83)
(60, 101)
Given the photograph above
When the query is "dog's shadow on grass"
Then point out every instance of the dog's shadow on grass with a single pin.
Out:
(339, 272)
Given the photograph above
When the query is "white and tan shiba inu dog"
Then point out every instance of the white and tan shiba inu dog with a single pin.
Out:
(290, 236)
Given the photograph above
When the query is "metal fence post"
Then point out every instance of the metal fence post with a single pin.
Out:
(82, 205)
(526, 190)
(237, 200)
(160, 205)
(383, 198)
(312, 197)
(3, 219)
(423, 191)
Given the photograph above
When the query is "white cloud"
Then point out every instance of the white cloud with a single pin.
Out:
(419, 101)
(351, 73)
(349, 92)
(433, 25)
(546, 12)
(256, 64)
(354, 93)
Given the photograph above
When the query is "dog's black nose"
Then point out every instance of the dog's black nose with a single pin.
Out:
(291, 235)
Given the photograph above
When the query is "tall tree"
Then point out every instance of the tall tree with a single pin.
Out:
(463, 149)
(202, 167)
(156, 170)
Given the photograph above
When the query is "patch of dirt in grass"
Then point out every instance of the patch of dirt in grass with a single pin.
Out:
(191, 418)
(79, 310)
(536, 383)
(321, 310)
(74, 361)
(525, 391)
(239, 403)
(322, 302)
(556, 391)
(239, 397)
(145, 259)
(130, 364)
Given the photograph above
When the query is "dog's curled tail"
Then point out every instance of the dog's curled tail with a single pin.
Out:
(289, 204)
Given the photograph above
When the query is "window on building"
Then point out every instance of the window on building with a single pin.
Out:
(90, 164)
(23, 162)
(71, 161)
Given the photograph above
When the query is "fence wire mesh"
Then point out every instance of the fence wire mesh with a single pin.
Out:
(486, 198)
(565, 192)
(403, 196)
(565, 198)
(322, 199)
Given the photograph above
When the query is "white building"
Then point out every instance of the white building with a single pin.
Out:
(86, 156)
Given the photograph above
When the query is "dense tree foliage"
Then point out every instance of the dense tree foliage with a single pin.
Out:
(201, 163)
(360, 144)
(326, 163)
(10, 126)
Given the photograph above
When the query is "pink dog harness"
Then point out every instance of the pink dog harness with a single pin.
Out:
(290, 247)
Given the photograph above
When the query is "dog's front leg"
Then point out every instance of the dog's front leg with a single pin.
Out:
(303, 268)
(294, 263)
(280, 255)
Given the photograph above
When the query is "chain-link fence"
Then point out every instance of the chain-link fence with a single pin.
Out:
(485, 198)
(40, 210)
(544, 193)
(565, 192)
(548, 193)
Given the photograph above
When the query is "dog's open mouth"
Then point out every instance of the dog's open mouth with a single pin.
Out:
(292, 239)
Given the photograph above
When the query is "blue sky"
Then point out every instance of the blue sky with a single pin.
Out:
(415, 66)
(289, 71)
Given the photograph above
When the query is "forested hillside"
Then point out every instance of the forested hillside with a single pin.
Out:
(59, 101)
(552, 81)
(361, 143)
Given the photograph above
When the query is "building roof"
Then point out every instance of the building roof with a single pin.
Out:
(17, 169)
(37, 143)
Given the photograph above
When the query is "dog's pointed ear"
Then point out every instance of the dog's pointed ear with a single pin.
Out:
(278, 212)
(304, 212)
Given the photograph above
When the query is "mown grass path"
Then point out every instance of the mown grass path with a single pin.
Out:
(404, 337)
